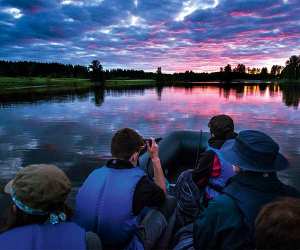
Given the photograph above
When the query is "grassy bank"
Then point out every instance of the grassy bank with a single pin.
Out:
(46, 84)
(41, 84)
(288, 81)
(130, 83)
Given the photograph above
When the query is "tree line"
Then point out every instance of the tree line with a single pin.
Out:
(96, 72)
(291, 71)
(34, 69)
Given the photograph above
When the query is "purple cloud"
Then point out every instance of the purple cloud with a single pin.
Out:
(199, 35)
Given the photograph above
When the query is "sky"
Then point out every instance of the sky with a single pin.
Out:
(178, 35)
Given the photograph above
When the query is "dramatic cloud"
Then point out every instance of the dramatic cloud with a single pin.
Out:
(178, 35)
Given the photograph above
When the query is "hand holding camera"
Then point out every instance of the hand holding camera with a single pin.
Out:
(152, 148)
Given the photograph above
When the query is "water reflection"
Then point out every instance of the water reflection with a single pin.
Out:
(27, 98)
(290, 94)
(239, 92)
(99, 96)
(159, 91)
(72, 130)
(125, 92)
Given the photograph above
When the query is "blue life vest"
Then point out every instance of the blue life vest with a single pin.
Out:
(252, 193)
(216, 184)
(63, 236)
(104, 204)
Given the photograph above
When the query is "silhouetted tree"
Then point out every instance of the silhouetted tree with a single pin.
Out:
(227, 73)
(158, 71)
(240, 68)
(96, 71)
(227, 68)
(159, 76)
(264, 73)
(292, 68)
(276, 70)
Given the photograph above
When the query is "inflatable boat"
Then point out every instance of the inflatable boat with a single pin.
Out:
(178, 151)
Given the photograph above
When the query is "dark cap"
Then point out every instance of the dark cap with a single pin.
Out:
(40, 187)
(221, 126)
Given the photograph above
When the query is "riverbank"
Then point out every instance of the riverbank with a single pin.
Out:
(289, 81)
(12, 85)
(142, 83)
(15, 85)
(47, 85)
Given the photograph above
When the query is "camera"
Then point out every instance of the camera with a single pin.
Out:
(144, 150)
(149, 141)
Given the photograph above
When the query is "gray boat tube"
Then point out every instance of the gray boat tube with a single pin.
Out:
(178, 151)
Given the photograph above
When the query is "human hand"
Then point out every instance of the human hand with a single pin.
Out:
(153, 149)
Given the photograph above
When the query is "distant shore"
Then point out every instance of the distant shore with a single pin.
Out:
(18, 86)
(288, 81)
(48, 85)
(123, 83)
(9, 85)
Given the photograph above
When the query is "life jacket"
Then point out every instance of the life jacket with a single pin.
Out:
(221, 171)
(251, 194)
(63, 236)
(104, 204)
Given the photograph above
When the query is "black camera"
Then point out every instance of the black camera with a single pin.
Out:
(149, 141)
(144, 150)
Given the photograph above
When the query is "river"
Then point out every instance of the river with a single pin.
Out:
(73, 131)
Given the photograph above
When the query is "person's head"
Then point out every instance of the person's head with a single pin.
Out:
(38, 193)
(126, 144)
(221, 127)
(254, 151)
(277, 226)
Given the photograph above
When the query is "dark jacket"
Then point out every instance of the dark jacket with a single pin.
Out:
(228, 221)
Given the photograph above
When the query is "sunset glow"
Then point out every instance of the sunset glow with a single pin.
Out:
(198, 35)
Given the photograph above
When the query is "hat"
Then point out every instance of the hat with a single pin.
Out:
(37, 188)
(221, 126)
(254, 151)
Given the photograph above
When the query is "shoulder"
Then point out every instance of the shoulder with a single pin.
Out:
(226, 208)
(98, 171)
(222, 203)
(291, 191)
(222, 210)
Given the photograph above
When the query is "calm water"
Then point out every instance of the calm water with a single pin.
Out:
(72, 131)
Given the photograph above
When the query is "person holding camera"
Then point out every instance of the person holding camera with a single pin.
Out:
(114, 199)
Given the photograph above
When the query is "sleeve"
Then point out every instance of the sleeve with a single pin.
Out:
(204, 228)
(202, 173)
(220, 226)
(93, 242)
(147, 194)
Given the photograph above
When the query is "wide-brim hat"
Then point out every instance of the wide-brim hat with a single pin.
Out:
(254, 151)
(39, 187)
